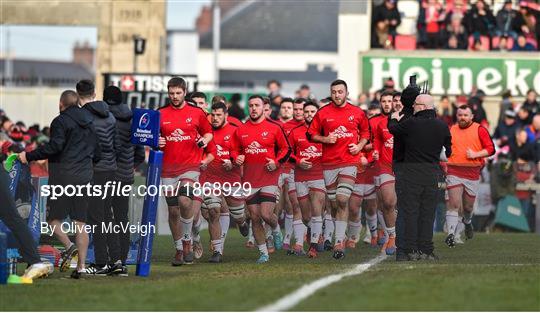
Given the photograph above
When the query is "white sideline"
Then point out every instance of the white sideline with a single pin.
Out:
(305, 291)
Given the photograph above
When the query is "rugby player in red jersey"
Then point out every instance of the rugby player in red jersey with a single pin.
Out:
(262, 149)
(181, 125)
(291, 115)
(383, 145)
(224, 178)
(364, 190)
(343, 130)
(309, 180)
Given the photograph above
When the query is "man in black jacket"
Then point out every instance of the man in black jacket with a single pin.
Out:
(408, 96)
(384, 21)
(421, 173)
(71, 150)
(128, 157)
(107, 261)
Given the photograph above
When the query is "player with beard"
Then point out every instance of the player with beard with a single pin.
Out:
(226, 176)
(383, 143)
(286, 180)
(262, 148)
(396, 102)
(309, 180)
(291, 199)
(471, 143)
(181, 124)
(343, 130)
(267, 107)
(367, 183)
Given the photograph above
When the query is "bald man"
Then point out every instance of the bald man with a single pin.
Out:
(424, 137)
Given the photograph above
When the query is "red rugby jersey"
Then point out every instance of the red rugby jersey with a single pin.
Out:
(384, 144)
(287, 128)
(303, 148)
(349, 124)
(225, 141)
(181, 127)
(258, 142)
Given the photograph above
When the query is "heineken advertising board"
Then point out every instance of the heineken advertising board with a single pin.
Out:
(454, 74)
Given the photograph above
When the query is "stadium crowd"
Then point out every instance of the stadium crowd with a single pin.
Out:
(460, 25)
(292, 122)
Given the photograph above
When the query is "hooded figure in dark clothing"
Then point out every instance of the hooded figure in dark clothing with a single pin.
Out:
(107, 261)
(424, 137)
(408, 96)
(71, 151)
(128, 157)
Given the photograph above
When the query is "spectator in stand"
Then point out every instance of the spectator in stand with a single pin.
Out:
(506, 130)
(533, 130)
(503, 45)
(274, 88)
(457, 30)
(376, 97)
(479, 20)
(531, 103)
(524, 117)
(534, 11)
(447, 113)
(452, 43)
(235, 110)
(385, 20)
(6, 124)
(275, 104)
(506, 104)
(508, 23)
(523, 154)
(389, 85)
(457, 10)
(521, 44)
(305, 92)
(527, 20)
(430, 20)
(477, 107)
(362, 101)
(477, 45)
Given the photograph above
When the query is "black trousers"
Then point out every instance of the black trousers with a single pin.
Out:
(418, 204)
(400, 228)
(121, 241)
(100, 215)
(12, 219)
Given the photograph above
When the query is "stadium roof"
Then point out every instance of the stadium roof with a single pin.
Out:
(48, 72)
(279, 25)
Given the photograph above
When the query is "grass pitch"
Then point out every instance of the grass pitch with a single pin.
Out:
(496, 272)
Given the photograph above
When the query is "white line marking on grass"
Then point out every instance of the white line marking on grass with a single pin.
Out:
(305, 291)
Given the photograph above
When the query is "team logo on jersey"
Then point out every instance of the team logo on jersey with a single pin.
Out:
(264, 134)
(188, 120)
(177, 136)
(144, 121)
(389, 143)
(221, 152)
(311, 152)
(227, 138)
(255, 148)
(351, 118)
(341, 132)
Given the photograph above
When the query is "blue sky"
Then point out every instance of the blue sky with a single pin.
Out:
(56, 42)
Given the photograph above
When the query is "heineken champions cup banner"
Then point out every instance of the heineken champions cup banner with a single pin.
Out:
(456, 74)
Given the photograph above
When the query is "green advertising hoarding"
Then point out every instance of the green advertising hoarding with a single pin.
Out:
(453, 74)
